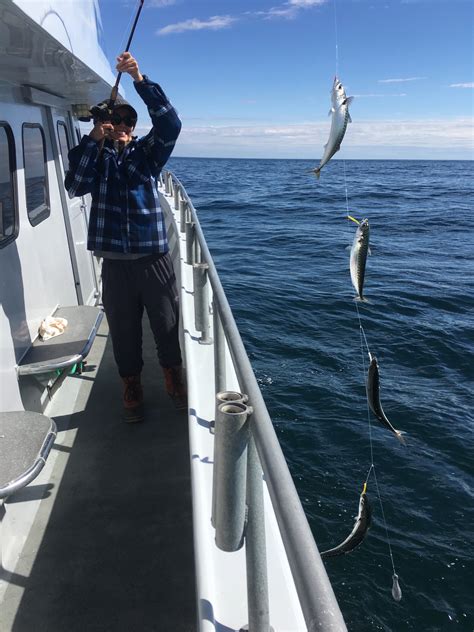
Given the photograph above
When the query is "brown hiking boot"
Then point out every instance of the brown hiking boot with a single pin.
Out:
(175, 386)
(133, 399)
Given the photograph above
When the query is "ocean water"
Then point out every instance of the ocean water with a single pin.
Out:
(279, 240)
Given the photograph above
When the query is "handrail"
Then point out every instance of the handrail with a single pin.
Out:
(318, 602)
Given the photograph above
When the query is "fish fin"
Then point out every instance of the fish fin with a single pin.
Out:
(349, 100)
(316, 172)
(331, 111)
(349, 120)
(369, 251)
(362, 299)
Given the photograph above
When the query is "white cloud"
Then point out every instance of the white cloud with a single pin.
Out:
(441, 138)
(400, 80)
(306, 3)
(159, 4)
(372, 95)
(215, 23)
(288, 9)
(462, 85)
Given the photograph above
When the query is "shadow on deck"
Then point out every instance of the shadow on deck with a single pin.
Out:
(117, 550)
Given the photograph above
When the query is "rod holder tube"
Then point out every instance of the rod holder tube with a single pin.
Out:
(224, 397)
(255, 545)
(201, 301)
(182, 215)
(230, 470)
(189, 230)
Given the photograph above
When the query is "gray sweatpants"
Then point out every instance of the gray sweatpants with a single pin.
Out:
(127, 288)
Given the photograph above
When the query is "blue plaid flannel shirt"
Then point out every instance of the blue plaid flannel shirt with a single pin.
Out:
(125, 213)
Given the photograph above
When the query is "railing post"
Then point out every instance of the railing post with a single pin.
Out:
(255, 545)
(197, 251)
(231, 472)
(201, 301)
(190, 236)
(183, 207)
(219, 350)
(176, 196)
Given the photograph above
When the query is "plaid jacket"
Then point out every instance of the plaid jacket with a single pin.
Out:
(125, 213)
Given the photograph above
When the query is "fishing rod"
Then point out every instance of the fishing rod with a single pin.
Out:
(113, 94)
(103, 111)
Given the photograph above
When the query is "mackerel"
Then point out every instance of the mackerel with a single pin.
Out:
(340, 118)
(373, 397)
(358, 258)
(361, 526)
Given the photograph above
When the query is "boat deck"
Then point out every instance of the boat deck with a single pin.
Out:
(111, 545)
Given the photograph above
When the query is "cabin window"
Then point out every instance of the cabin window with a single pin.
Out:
(8, 215)
(64, 144)
(36, 180)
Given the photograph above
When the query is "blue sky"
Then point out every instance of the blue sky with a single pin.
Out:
(252, 78)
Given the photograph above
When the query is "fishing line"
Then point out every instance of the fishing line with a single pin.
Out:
(384, 522)
(336, 38)
(363, 340)
(396, 592)
(127, 29)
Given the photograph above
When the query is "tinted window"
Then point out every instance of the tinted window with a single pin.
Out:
(63, 144)
(8, 222)
(36, 181)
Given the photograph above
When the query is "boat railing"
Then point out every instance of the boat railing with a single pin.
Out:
(315, 593)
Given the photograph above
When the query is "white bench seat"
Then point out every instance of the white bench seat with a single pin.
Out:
(69, 348)
(26, 439)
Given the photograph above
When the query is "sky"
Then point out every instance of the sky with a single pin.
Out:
(252, 78)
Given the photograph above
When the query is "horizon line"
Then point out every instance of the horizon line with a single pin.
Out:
(319, 158)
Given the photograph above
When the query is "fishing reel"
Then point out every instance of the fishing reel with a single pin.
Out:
(98, 113)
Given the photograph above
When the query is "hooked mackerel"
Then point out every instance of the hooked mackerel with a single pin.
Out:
(358, 259)
(340, 118)
(373, 397)
(358, 533)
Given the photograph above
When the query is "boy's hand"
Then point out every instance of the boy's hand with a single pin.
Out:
(101, 130)
(128, 64)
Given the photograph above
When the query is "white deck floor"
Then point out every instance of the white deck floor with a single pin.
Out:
(102, 540)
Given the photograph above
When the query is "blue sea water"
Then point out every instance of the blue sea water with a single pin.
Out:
(279, 240)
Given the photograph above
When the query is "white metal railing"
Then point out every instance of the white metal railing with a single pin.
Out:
(263, 451)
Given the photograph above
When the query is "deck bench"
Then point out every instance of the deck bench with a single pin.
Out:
(26, 439)
(69, 348)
